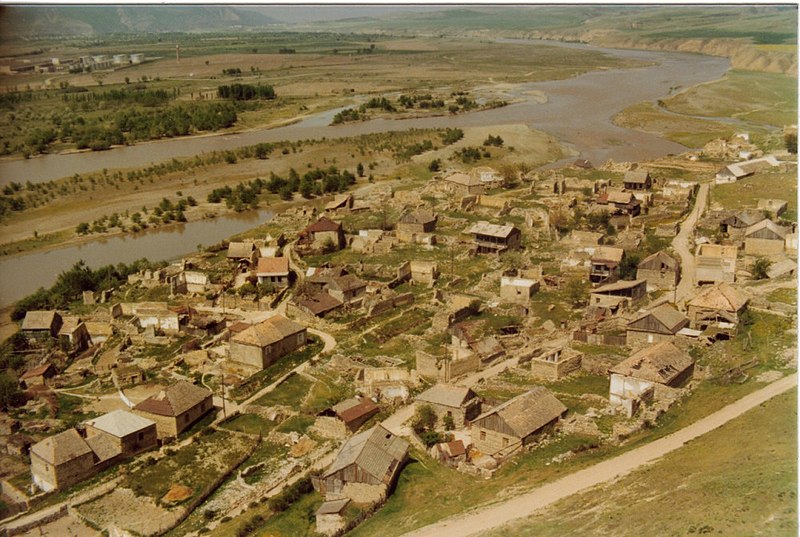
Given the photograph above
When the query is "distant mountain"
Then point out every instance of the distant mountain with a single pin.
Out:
(29, 21)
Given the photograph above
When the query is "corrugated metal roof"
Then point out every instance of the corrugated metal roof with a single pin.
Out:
(120, 423)
(492, 230)
(375, 451)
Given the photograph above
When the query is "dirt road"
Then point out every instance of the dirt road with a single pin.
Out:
(484, 519)
(681, 245)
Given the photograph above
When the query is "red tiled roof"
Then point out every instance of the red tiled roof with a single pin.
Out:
(323, 224)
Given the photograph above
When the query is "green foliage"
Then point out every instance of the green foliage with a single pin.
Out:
(10, 394)
(576, 291)
(246, 92)
(435, 165)
(495, 141)
(71, 283)
(347, 115)
(627, 269)
(290, 494)
(424, 419)
(451, 136)
(449, 423)
(760, 268)
(790, 142)
(82, 228)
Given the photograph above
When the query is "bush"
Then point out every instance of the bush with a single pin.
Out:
(290, 494)
(424, 419)
(760, 268)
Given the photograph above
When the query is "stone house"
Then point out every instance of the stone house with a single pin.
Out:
(740, 170)
(764, 238)
(130, 433)
(348, 415)
(715, 263)
(458, 402)
(774, 206)
(242, 252)
(463, 184)
(347, 289)
(158, 317)
(38, 376)
(128, 375)
(605, 262)
(516, 423)
(493, 238)
(73, 335)
(189, 281)
(517, 290)
(649, 373)
(61, 460)
(176, 408)
(40, 326)
(316, 305)
(637, 180)
(99, 331)
(737, 223)
(418, 221)
(555, 363)
(423, 272)
(323, 232)
(620, 202)
(329, 516)
(264, 343)
(659, 324)
(719, 306)
(660, 271)
(468, 338)
(366, 467)
(630, 290)
(274, 270)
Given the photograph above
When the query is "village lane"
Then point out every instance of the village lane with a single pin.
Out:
(527, 504)
(681, 245)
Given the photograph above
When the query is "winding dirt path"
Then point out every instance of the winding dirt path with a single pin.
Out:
(527, 504)
(681, 245)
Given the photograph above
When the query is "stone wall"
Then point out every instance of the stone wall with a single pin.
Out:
(364, 493)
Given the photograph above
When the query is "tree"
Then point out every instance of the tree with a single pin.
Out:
(424, 419)
(790, 140)
(576, 291)
(760, 268)
(360, 170)
(449, 423)
(435, 165)
(83, 228)
(10, 394)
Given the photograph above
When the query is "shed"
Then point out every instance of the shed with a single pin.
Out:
(460, 403)
(717, 307)
(764, 238)
(659, 324)
(659, 270)
(637, 180)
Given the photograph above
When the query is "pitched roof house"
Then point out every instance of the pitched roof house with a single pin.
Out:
(418, 221)
(176, 408)
(659, 270)
(39, 375)
(656, 367)
(464, 184)
(764, 238)
(129, 432)
(637, 180)
(61, 460)
(321, 232)
(264, 343)
(370, 460)
(461, 404)
(242, 251)
(516, 423)
(716, 307)
(494, 238)
(659, 324)
(605, 262)
(274, 270)
(40, 325)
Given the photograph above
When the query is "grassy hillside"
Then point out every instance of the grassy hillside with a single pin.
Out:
(738, 480)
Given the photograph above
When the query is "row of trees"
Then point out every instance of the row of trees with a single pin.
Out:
(246, 92)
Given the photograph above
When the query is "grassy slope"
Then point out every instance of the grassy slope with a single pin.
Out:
(760, 98)
(737, 480)
(746, 193)
(687, 131)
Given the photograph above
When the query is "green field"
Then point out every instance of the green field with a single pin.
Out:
(759, 98)
(748, 191)
(738, 480)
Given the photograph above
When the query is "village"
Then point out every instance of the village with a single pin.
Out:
(467, 320)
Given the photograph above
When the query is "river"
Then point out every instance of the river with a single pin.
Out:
(24, 274)
(578, 112)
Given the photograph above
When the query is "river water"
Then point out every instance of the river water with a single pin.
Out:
(578, 112)
(24, 274)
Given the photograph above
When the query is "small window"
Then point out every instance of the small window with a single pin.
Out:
(141, 437)
(505, 442)
(483, 435)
